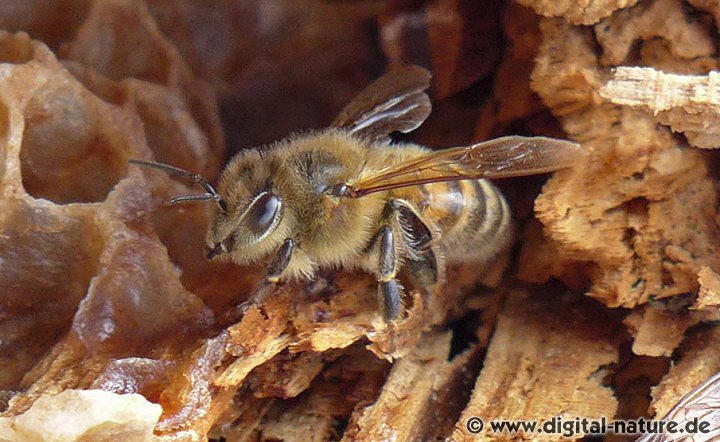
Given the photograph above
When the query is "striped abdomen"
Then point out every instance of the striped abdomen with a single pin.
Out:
(471, 217)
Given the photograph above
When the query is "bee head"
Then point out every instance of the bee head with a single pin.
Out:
(242, 228)
(257, 213)
(243, 221)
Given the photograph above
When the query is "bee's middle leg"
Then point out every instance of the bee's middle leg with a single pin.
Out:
(389, 290)
(423, 261)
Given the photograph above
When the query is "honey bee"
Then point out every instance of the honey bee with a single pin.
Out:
(348, 197)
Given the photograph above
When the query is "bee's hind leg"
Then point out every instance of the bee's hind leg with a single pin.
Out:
(424, 270)
(389, 290)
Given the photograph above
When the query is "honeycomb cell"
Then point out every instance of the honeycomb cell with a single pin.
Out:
(136, 300)
(133, 375)
(181, 229)
(71, 152)
(125, 31)
(15, 48)
(48, 258)
(121, 42)
(176, 128)
(51, 22)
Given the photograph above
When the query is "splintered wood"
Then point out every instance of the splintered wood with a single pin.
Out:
(114, 325)
(544, 346)
(422, 396)
(687, 103)
(577, 12)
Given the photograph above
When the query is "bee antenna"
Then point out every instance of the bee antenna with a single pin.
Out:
(197, 179)
(186, 198)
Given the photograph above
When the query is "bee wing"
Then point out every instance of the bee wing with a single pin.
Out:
(393, 102)
(702, 403)
(498, 158)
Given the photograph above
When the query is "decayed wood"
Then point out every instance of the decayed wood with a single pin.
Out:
(613, 211)
(698, 357)
(345, 387)
(580, 13)
(687, 103)
(658, 330)
(543, 361)
(709, 293)
(688, 39)
(422, 396)
(288, 374)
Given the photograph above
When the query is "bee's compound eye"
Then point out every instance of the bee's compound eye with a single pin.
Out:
(263, 212)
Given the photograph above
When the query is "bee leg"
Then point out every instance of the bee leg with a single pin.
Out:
(275, 269)
(266, 286)
(280, 261)
(422, 261)
(423, 269)
(389, 290)
(390, 294)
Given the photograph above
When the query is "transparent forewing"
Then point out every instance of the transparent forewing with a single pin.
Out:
(395, 102)
(498, 158)
(703, 404)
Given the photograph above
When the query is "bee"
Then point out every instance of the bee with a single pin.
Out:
(348, 197)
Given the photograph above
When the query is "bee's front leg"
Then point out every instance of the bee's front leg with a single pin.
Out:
(389, 290)
(277, 266)
(280, 261)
